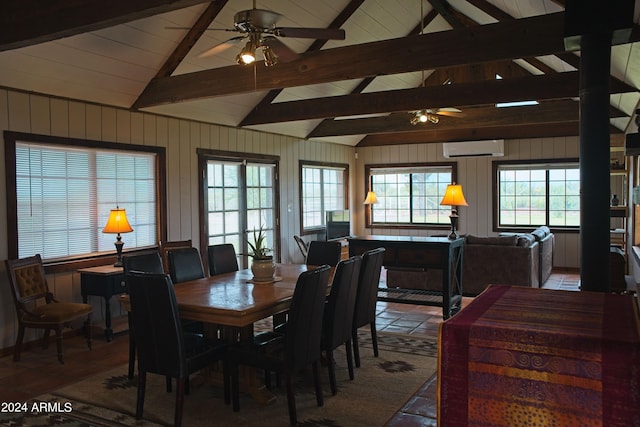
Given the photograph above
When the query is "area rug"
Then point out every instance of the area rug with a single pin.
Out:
(382, 385)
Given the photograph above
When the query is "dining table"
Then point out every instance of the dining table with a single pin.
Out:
(230, 304)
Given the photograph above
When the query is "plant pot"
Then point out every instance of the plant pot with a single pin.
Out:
(263, 270)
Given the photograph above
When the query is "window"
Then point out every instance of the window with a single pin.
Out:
(64, 190)
(545, 193)
(323, 188)
(410, 194)
(239, 196)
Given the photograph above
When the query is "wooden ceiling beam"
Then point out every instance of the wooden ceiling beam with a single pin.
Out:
(470, 134)
(190, 39)
(538, 35)
(516, 131)
(460, 95)
(28, 22)
(475, 118)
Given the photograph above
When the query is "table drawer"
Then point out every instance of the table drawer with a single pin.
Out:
(417, 258)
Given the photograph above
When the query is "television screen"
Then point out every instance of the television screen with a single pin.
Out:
(338, 224)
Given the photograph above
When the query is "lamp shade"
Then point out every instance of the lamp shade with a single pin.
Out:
(371, 198)
(454, 196)
(117, 222)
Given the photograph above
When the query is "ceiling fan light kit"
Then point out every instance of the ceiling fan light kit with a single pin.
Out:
(248, 53)
(424, 116)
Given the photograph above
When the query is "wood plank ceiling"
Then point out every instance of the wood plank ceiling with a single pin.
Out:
(398, 56)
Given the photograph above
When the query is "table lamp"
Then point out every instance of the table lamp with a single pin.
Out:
(453, 197)
(116, 224)
(371, 198)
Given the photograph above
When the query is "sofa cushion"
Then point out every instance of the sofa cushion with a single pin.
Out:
(525, 240)
(541, 232)
(498, 240)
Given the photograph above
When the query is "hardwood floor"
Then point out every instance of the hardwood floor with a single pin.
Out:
(39, 372)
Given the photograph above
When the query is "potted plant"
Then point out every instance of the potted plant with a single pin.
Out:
(262, 266)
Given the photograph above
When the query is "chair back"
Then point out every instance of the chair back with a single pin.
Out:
(165, 247)
(338, 314)
(146, 262)
(185, 264)
(302, 245)
(27, 280)
(156, 324)
(304, 328)
(367, 295)
(222, 259)
(322, 252)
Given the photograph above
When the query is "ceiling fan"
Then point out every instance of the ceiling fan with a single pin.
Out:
(432, 115)
(259, 27)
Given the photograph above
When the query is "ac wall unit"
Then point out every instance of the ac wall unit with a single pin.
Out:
(489, 148)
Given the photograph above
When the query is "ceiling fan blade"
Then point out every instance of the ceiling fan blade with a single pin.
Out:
(206, 29)
(450, 110)
(450, 113)
(282, 51)
(221, 47)
(310, 33)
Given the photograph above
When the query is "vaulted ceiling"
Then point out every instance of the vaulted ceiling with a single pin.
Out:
(398, 56)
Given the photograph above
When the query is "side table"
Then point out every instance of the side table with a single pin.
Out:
(104, 281)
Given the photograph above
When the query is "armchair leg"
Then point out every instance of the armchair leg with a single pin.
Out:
(18, 347)
(59, 344)
(88, 331)
(45, 338)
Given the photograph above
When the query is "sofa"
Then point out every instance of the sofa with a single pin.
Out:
(521, 259)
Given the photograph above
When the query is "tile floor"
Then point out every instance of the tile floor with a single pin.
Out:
(39, 372)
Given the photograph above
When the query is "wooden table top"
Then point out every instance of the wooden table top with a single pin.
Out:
(232, 299)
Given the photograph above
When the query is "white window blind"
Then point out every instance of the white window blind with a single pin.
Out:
(65, 193)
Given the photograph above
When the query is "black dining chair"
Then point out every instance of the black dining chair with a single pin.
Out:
(338, 315)
(366, 298)
(297, 348)
(185, 264)
(145, 262)
(322, 252)
(166, 246)
(222, 259)
(163, 347)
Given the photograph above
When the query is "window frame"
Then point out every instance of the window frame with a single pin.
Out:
(497, 227)
(85, 260)
(409, 226)
(320, 165)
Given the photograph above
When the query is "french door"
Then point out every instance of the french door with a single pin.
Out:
(239, 196)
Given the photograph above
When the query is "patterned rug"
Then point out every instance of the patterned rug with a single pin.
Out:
(382, 385)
